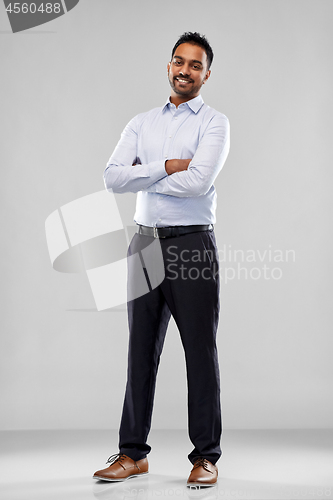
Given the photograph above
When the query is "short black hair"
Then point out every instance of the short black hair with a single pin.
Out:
(196, 39)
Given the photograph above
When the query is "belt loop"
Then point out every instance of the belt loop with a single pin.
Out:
(155, 232)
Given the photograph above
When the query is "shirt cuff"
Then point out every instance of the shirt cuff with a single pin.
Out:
(157, 170)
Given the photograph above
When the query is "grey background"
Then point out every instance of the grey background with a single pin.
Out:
(68, 88)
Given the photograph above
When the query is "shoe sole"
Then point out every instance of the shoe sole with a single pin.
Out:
(120, 479)
(201, 485)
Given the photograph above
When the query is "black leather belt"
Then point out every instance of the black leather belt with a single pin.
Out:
(172, 231)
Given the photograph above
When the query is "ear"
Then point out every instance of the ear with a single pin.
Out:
(168, 66)
(206, 76)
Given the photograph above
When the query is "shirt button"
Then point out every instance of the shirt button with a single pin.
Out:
(176, 117)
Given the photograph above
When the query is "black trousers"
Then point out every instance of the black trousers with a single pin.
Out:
(190, 292)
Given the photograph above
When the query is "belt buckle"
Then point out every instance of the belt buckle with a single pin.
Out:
(155, 232)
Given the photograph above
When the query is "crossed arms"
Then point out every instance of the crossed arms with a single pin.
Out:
(174, 177)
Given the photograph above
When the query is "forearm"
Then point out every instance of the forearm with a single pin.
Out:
(121, 178)
(175, 165)
(191, 182)
(195, 181)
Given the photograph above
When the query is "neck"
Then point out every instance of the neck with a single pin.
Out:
(178, 99)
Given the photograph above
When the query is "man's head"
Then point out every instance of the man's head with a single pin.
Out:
(189, 67)
(195, 39)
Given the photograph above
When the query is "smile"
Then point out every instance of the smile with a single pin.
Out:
(180, 80)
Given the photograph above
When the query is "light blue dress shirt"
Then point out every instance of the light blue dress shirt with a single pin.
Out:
(193, 130)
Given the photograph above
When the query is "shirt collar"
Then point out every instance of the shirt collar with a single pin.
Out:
(194, 104)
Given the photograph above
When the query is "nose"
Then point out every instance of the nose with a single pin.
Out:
(185, 70)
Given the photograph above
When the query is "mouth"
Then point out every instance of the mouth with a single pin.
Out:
(183, 81)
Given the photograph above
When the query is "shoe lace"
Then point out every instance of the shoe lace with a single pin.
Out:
(117, 457)
(201, 462)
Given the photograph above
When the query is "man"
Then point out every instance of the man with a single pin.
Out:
(171, 156)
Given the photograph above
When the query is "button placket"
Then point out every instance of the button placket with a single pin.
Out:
(171, 132)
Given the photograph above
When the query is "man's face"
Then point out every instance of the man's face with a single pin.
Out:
(188, 71)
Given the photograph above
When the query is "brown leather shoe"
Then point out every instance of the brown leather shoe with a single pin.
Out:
(204, 473)
(122, 467)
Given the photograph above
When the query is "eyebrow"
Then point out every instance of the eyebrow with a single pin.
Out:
(193, 60)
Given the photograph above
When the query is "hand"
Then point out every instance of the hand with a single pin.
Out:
(137, 161)
(172, 166)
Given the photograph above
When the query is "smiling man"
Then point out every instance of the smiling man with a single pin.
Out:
(171, 157)
(187, 72)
